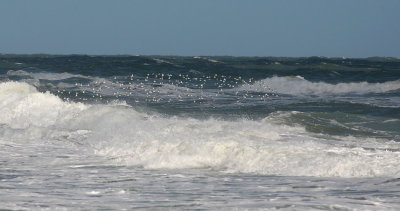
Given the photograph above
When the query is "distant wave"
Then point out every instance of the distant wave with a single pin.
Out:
(45, 75)
(298, 85)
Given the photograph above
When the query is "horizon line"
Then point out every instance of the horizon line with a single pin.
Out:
(174, 55)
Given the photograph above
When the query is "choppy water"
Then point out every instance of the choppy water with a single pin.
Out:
(152, 132)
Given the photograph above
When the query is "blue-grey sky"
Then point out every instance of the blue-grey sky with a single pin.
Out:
(351, 28)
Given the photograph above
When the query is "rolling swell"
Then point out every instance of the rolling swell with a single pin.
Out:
(332, 70)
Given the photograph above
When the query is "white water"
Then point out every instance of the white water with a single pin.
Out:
(127, 137)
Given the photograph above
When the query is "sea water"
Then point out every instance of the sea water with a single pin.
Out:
(165, 132)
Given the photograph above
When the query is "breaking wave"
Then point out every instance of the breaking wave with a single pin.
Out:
(128, 137)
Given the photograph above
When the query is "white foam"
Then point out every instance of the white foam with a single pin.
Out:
(128, 137)
(160, 61)
(207, 59)
(22, 106)
(298, 85)
(243, 146)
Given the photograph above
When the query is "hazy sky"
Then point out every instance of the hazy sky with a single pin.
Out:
(351, 28)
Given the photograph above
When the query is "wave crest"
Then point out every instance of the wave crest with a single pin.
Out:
(298, 85)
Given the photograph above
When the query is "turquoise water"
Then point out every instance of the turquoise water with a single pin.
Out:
(156, 132)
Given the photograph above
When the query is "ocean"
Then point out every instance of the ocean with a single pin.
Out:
(204, 133)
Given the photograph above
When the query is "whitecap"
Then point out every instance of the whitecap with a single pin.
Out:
(298, 85)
